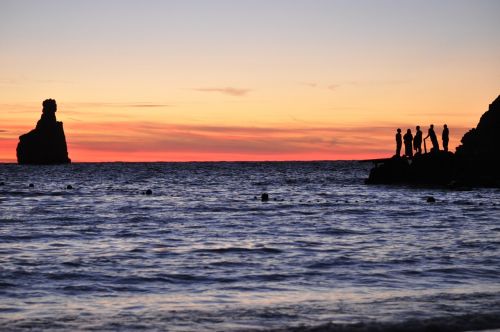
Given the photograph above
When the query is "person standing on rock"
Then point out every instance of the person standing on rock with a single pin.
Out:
(399, 142)
(446, 137)
(417, 141)
(408, 139)
(432, 135)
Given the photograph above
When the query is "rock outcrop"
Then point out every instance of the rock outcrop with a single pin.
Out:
(483, 142)
(475, 163)
(435, 168)
(478, 158)
(46, 144)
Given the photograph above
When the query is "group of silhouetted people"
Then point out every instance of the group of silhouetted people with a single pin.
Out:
(415, 142)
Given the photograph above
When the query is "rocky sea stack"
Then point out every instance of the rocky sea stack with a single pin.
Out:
(475, 163)
(46, 144)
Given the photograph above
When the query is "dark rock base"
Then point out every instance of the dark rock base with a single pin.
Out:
(433, 168)
(440, 168)
(45, 145)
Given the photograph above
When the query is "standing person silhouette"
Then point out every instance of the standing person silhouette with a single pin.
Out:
(408, 139)
(432, 135)
(446, 137)
(399, 142)
(417, 141)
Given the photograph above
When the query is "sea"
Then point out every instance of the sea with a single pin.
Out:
(86, 247)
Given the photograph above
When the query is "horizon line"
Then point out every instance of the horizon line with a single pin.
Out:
(189, 161)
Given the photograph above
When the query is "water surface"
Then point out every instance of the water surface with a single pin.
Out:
(204, 253)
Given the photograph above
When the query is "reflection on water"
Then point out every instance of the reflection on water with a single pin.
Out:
(203, 252)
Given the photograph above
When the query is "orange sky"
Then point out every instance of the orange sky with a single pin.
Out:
(176, 81)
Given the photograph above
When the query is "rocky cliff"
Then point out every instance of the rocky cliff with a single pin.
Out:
(478, 158)
(46, 144)
(483, 142)
(475, 163)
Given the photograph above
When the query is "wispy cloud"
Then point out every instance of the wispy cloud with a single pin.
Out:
(19, 107)
(340, 84)
(344, 108)
(54, 82)
(337, 85)
(148, 105)
(23, 80)
(440, 115)
(79, 107)
(9, 82)
(314, 85)
(310, 84)
(118, 105)
(237, 92)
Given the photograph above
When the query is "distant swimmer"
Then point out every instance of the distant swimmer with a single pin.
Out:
(399, 143)
(446, 137)
(417, 141)
(432, 135)
(408, 139)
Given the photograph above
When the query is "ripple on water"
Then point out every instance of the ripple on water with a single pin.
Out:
(202, 254)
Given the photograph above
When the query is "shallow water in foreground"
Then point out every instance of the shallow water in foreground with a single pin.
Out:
(202, 253)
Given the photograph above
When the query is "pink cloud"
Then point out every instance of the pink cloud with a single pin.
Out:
(149, 137)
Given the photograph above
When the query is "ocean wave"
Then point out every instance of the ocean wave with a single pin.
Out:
(470, 322)
(238, 250)
(339, 231)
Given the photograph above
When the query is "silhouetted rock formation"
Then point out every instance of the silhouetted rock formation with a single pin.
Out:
(46, 144)
(478, 157)
(483, 142)
(430, 168)
(476, 162)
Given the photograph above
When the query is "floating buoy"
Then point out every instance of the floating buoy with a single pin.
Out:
(2, 183)
(31, 185)
(69, 186)
(149, 192)
(431, 199)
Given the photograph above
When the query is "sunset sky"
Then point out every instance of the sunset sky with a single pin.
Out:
(245, 80)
